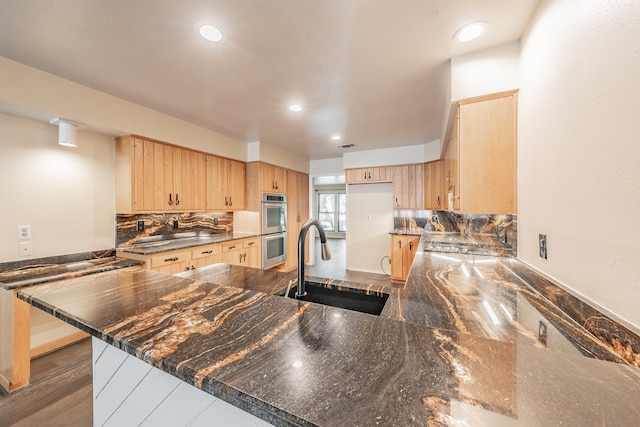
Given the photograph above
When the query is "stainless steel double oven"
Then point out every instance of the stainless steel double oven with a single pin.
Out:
(274, 229)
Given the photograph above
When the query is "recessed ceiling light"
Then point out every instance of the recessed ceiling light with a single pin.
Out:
(470, 32)
(210, 33)
(295, 107)
(336, 137)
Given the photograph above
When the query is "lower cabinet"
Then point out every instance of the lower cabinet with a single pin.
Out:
(171, 262)
(245, 253)
(403, 249)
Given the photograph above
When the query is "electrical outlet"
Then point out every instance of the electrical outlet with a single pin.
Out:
(215, 221)
(368, 217)
(542, 245)
(140, 226)
(175, 224)
(24, 232)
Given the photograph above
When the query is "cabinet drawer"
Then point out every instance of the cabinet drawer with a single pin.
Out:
(205, 251)
(168, 258)
(232, 246)
(250, 243)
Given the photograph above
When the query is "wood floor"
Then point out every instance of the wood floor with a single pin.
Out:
(60, 393)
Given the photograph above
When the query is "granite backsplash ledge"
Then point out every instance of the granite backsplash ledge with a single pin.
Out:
(168, 224)
(502, 230)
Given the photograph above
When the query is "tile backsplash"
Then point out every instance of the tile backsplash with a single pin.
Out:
(503, 228)
(162, 224)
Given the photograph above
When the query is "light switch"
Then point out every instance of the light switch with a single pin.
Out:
(24, 232)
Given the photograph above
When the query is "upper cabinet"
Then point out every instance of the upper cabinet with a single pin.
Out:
(368, 175)
(408, 181)
(272, 178)
(481, 156)
(225, 180)
(152, 176)
(433, 185)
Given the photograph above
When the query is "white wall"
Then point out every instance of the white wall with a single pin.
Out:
(65, 194)
(26, 90)
(579, 152)
(488, 71)
(326, 167)
(369, 221)
(259, 151)
(392, 156)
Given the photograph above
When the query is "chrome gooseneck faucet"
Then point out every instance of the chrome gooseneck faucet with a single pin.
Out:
(326, 255)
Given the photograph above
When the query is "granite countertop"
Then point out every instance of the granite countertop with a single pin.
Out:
(157, 246)
(465, 342)
(15, 275)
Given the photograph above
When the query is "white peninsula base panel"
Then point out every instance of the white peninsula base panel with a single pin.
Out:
(127, 391)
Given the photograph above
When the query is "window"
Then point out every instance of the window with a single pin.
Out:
(332, 211)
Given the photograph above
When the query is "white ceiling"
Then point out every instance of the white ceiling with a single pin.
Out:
(373, 71)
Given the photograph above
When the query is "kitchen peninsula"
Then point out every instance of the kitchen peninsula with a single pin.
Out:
(465, 342)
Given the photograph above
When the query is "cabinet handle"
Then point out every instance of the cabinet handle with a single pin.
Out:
(399, 244)
(171, 259)
(207, 252)
(232, 247)
(365, 175)
(438, 201)
(369, 174)
(396, 201)
(177, 200)
(187, 269)
(226, 202)
(250, 243)
(192, 267)
(170, 201)
(230, 202)
(410, 245)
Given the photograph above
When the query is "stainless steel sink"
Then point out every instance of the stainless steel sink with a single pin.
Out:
(349, 299)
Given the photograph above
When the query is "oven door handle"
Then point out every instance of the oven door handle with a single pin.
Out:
(275, 236)
(274, 204)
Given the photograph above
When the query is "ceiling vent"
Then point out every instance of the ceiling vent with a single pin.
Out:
(347, 145)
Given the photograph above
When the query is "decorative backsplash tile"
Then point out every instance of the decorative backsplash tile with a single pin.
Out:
(167, 224)
(502, 228)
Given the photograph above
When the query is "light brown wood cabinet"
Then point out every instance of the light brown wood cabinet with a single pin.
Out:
(171, 262)
(272, 178)
(481, 156)
(403, 250)
(297, 215)
(201, 256)
(434, 185)
(226, 181)
(152, 176)
(368, 175)
(245, 252)
(408, 182)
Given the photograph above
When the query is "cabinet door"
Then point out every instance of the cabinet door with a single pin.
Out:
(433, 184)
(216, 183)
(189, 179)
(355, 176)
(396, 258)
(236, 181)
(408, 187)
(153, 176)
(487, 153)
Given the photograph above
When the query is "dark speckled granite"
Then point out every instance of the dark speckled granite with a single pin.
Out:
(459, 344)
